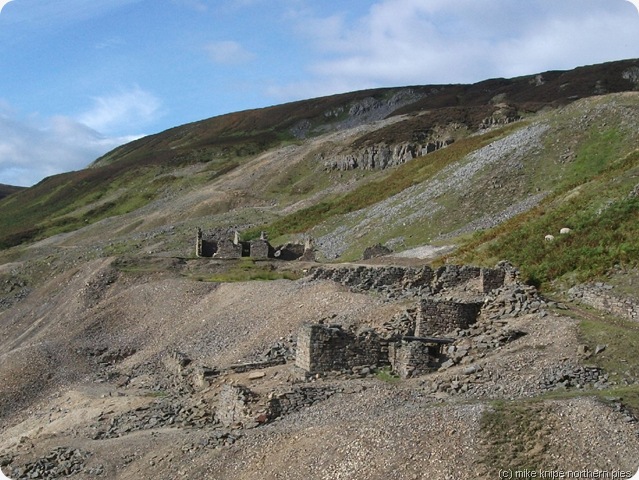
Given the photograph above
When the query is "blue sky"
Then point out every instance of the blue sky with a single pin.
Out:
(79, 77)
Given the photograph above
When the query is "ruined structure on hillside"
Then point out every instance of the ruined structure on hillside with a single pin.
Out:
(411, 343)
(322, 348)
(221, 246)
(326, 348)
(438, 317)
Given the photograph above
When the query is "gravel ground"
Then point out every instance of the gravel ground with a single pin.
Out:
(106, 360)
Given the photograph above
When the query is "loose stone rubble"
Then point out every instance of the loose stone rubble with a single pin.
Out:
(167, 412)
(568, 375)
(60, 462)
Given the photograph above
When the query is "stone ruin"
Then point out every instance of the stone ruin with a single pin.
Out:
(322, 348)
(220, 246)
(441, 330)
(330, 348)
(438, 317)
(412, 343)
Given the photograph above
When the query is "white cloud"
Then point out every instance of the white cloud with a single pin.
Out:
(121, 111)
(228, 53)
(3, 3)
(400, 42)
(33, 148)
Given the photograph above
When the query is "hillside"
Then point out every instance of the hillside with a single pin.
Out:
(185, 158)
(435, 323)
(6, 190)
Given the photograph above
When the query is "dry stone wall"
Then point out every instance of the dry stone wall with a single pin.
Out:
(449, 276)
(296, 398)
(491, 279)
(600, 296)
(413, 358)
(259, 249)
(227, 249)
(440, 317)
(398, 281)
(322, 348)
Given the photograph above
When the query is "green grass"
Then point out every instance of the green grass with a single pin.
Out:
(603, 217)
(246, 270)
(514, 435)
(628, 396)
(386, 375)
(70, 201)
(620, 359)
(594, 155)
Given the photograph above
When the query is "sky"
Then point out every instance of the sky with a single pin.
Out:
(80, 77)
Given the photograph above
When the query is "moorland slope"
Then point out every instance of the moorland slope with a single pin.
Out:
(119, 348)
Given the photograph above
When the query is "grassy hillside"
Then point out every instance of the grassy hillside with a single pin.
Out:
(6, 190)
(393, 182)
(260, 168)
(122, 348)
(597, 197)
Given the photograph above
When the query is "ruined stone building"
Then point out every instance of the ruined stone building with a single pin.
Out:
(330, 348)
(413, 344)
(221, 246)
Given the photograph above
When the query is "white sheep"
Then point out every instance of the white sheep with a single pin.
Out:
(565, 230)
(549, 238)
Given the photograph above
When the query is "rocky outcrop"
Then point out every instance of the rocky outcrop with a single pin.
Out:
(503, 115)
(358, 112)
(381, 155)
(375, 251)
(632, 75)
